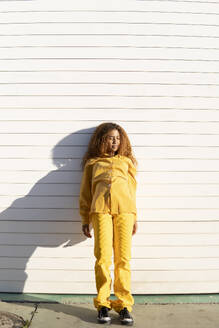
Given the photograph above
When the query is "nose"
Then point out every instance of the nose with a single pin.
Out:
(114, 140)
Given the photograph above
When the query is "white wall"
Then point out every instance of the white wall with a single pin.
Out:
(151, 66)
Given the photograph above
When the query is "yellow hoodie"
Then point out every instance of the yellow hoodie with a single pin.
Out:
(108, 185)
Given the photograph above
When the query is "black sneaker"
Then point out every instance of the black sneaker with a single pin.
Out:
(125, 317)
(103, 316)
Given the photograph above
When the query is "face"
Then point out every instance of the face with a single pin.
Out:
(113, 141)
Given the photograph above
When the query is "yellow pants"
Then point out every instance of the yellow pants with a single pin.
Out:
(113, 232)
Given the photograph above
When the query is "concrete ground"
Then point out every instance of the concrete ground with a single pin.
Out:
(47, 315)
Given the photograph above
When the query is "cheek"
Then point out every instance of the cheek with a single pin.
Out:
(108, 144)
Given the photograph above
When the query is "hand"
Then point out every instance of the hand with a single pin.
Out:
(86, 230)
(135, 227)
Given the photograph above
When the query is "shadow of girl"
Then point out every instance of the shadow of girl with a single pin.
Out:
(37, 228)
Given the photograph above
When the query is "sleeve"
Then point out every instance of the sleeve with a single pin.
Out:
(132, 182)
(85, 197)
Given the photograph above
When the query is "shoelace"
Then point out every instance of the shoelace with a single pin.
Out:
(125, 313)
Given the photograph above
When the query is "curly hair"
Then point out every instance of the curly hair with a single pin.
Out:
(97, 145)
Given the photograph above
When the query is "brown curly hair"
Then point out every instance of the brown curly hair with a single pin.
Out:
(97, 144)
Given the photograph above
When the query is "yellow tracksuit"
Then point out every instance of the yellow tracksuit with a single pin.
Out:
(108, 200)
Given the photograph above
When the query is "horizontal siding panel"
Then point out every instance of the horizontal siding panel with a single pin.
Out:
(152, 165)
(32, 176)
(146, 177)
(43, 214)
(15, 213)
(175, 287)
(158, 264)
(70, 239)
(40, 164)
(40, 202)
(123, 6)
(47, 240)
(109, 28)
(136, 115)
(143, 252)
(122, 17)
(144, 227)
(74, 152)
(108, 65)
(137, 288)
(111, 53)
(88, 276)
(66, 202)
(137, 139)
(111, 102)
(87, 89)
(146, 126)
(73, 189)
(116, 40)
(111, 78)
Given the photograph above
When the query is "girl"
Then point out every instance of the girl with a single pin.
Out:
(108, 200)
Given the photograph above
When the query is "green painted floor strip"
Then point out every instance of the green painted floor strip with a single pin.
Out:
(81, 298)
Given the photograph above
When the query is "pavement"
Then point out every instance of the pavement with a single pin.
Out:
(53, 315)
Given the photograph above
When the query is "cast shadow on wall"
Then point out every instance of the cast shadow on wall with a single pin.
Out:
(46, 218)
